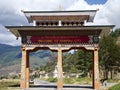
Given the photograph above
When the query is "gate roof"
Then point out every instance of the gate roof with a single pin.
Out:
(101, 30)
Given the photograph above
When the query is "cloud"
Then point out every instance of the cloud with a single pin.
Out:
(11, 40)
(7, 38)
(10, 13)
(83, 5)
(44, 5)
(109, 14)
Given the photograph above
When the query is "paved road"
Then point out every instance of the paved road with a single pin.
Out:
(66, 87)
(44, 85)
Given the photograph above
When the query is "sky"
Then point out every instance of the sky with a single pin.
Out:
(96, 1)
(10, 13)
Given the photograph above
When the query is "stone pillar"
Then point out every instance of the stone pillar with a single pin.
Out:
(24, 70)
(27, 70)
(60, 72)
(96, 81)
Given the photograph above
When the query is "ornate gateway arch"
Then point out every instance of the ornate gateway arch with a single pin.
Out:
(59, 31)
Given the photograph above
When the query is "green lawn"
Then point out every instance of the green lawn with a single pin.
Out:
(116, 87)
(71, 80)
(77, 80)
(9, 84)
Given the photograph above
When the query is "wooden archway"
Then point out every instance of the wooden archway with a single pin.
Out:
(58, 48)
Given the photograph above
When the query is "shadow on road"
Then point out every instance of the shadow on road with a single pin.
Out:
(55, 86)
(77, 86)
(16, 85)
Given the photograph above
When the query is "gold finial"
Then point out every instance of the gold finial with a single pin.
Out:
(60, 8)
(97, 9)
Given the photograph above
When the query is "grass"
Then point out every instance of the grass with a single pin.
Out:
(9, 84)
(71, 80)
(113, 80)
(77, 80)
(115, 87)
(52, 79)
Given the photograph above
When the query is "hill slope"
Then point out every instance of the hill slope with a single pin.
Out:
(10, 56)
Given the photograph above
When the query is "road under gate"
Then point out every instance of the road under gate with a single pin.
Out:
(44, 85)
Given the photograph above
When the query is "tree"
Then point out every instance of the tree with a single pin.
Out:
(50, 66)
(69, 62)
(78, 62)
(115, 33)
(85, 62)
(109, 55)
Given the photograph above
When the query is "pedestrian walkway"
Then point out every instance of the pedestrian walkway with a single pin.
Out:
(107, 86)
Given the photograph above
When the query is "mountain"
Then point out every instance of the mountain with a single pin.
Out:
(10, 58)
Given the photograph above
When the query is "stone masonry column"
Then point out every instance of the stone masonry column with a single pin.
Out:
(27, 70)
(60, 71)
(24, 70)
(96, 81)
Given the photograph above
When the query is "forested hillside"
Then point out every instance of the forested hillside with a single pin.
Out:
(10, 58)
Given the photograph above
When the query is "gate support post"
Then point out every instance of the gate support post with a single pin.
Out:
(96, 81)
(24, 84)
(60, 71)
